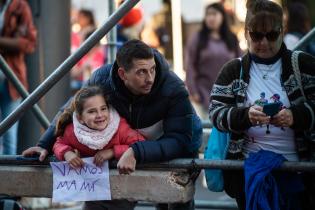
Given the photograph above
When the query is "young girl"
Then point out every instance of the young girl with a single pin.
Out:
(92, 128)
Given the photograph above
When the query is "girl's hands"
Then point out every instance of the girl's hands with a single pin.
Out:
(257, 117)
(103, 155)
(73, 158)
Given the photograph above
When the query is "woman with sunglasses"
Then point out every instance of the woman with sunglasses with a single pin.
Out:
(205, 54)
(258, 100)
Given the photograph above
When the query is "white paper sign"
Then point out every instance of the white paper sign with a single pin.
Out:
(88, 183)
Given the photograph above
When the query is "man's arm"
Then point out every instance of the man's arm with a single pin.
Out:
(177, 137)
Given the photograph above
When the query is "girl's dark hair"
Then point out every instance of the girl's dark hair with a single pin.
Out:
(262, 14)
(76, 106)
(298, 18)
(226, 34)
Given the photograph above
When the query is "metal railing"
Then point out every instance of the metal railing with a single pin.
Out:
(7, 71)
(201, 204)
(66, 66)
(184, 163)
(305, 40)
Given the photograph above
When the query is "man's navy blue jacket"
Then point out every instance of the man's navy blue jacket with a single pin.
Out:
(165, 113)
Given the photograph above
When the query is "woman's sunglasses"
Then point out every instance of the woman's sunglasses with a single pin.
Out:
(270, 36)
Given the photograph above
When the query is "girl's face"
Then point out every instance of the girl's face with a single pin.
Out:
(213, 19)
(95, 114)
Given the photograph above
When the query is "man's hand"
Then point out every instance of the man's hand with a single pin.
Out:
(103, 155)
(283, 119)
(74, 159)
(127, 162)
(36, 151)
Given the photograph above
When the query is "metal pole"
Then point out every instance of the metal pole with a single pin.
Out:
(112, 36)
(305, 40)
(201, 204)
(20, 88)
(184, 163)
(177, 42)
(66, 65)
(206, 124)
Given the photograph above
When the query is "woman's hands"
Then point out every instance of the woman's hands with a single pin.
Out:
(284, 118)
(103, 155)
(257, 117)
(73, 158)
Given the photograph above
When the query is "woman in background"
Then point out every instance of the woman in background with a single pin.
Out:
(206, 52)
(298, 22)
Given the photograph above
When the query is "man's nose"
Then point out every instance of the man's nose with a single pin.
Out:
(149, 77)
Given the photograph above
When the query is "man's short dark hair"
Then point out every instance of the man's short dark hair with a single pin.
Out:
(133, 49)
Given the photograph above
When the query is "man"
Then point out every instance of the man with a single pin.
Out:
(153, 100)
(18, 37)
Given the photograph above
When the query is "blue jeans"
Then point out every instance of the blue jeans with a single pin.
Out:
(7, 105)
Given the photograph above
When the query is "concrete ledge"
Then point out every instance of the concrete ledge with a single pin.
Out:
(142, 185)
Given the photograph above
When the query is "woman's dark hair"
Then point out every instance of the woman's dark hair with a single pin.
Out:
(89, 15)
(262, 14)
(226, 34)
(76, 105)
(298, 18)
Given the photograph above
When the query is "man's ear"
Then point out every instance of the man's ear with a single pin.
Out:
(122, 73)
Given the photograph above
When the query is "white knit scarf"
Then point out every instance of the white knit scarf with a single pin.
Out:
(96, 139)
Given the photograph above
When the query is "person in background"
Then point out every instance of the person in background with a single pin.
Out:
(17, 38)
(85, 23)
(265, 74)
(130, 26)
(298, 24)
(205, 54)
(91, 127)
(85, 26)
(82, 71)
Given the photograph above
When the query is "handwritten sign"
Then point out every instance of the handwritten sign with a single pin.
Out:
(88, 183)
